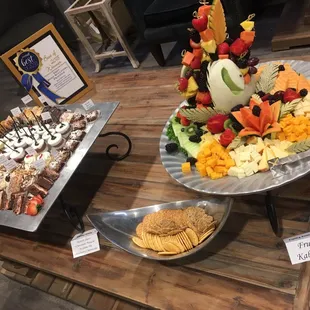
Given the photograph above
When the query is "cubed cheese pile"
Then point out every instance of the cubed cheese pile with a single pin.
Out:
(246, 159)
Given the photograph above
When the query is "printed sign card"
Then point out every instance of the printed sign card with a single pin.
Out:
(47, 69)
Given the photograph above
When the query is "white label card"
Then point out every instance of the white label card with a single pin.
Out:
(46, 116)
(30, 150)
(298, 248)
(3, 160)
(87, 105)
(85, 243)
(10, 164)
(39, 164)
(16, 111)
(26, 99)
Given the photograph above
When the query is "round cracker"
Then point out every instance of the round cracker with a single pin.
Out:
(145, 240)
(206, 235)
(159, 242)
(170, 247)
(187, 240)
(150, 241)
(167, 253)
(139, 242)
(192, 236)
(139, 230)
(176, 241)
(182, 242)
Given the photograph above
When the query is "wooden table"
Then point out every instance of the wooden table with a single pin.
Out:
(246, 267)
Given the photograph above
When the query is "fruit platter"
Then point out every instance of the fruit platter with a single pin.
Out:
(239, 116)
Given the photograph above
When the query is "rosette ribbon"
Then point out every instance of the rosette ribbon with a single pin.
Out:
(27, 81)
(29, 63)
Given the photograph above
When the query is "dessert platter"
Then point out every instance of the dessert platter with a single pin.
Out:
(240, 119)
(40, 148)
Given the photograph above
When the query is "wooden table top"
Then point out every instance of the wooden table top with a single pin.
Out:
(245, 267)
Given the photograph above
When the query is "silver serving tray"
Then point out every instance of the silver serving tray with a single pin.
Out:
(230, 186)
(31, 223)
(120, 226)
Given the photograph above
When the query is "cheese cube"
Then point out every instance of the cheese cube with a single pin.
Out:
(232, 154)
(235, 171)
(245, 156)
(247, 169)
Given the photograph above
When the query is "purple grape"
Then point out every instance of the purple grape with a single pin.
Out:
(278, 95)
(252, 70)
(253, 61)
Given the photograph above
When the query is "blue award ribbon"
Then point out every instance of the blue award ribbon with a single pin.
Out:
(29, 62)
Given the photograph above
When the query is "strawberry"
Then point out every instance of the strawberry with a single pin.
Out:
(185, 121)
(200, 23)
(33, 208)
(183, 83)
(206, 100)
(215, 123)
(194, 44)
(238, 47)
(195, 64)
(290, 95)
(38, 199)
(226, 137)
(223, 48)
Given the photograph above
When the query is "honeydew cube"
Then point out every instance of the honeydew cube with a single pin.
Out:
(245, 156)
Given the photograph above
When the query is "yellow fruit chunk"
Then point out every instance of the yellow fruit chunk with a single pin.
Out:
(209, 46)
(247, 25)
(217, 21)
(186, 168)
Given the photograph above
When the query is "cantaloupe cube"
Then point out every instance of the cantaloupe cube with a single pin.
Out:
(186, 168)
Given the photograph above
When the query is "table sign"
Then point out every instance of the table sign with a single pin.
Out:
(298, 248)
(46, 116)
(30, 150)
(10, 165)
(16, 111)
(39, 164)
(85, 243)
(45, 66)
(87, 105)
(3, 160)
(26, 99)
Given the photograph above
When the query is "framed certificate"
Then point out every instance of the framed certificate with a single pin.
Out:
(47, 69)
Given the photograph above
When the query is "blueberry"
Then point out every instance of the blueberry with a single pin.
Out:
(171, 147)
(256, 110)
(237, 108)
(303, 92)
(281, 68)
(191, 160)
(195, 139)
(261, 93)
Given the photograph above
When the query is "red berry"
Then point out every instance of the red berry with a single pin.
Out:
(183, 83)
(215, 123)
(223, 48)
(290, 95)
(265, 97)
(206, 100)
(195, 64)
(200, 23)
(238, 47)
(226, 137)
(185, 121)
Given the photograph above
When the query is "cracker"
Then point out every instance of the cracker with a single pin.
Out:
(192, 236)
(187, 240)
(139, 242)
(206, 235)
(179, 236)
(171, 247)
(139, 230)
(167, 253)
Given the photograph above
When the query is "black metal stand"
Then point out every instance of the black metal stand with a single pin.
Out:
(116, 133)
(70, 211)
(72, 215)
(271, 212)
